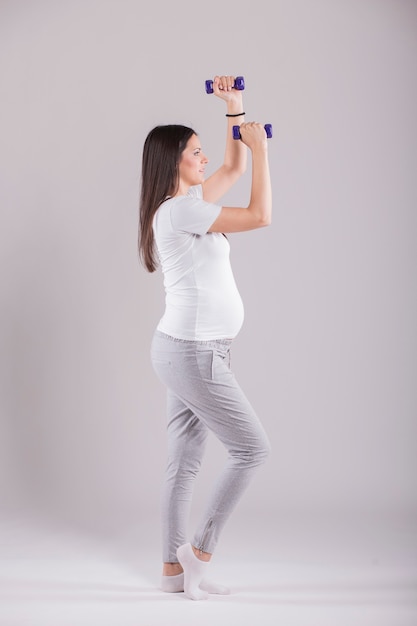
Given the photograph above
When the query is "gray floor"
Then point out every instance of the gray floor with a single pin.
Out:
(324, 577)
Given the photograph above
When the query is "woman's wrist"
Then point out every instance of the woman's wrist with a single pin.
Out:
(234, 108)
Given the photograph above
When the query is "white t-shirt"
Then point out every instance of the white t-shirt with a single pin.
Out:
(202, 301)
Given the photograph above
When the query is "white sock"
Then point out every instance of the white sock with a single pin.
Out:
(194, 570)
(175, 584)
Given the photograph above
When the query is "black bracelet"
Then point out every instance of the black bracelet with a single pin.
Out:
(235, 114)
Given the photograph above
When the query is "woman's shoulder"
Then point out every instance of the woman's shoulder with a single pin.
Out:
(196, 191)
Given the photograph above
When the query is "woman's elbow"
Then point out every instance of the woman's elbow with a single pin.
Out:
(238, 171)
(265, 220)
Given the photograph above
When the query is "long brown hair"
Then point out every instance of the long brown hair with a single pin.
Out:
(161, 155)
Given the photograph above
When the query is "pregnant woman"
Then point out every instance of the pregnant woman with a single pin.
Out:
(182, 229)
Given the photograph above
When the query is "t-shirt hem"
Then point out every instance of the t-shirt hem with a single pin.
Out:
(176, 335)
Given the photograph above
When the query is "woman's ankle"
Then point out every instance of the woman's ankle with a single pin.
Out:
(171, 569)
(202, 556)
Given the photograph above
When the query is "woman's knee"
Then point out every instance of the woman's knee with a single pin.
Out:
(183, 468)
(254, 454)
(263, 450)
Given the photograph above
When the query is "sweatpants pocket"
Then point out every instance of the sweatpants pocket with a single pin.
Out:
(205, 359)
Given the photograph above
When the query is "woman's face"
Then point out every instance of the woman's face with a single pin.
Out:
(192, 163)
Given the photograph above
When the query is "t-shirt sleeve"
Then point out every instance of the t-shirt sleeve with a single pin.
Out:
(191, 214)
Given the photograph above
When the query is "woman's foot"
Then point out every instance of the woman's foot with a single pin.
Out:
(194, 571)
(175, 584)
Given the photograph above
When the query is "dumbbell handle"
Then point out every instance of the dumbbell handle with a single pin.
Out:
(268, 130)
(239, 84)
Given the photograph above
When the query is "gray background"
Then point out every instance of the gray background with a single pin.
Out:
(327, 353)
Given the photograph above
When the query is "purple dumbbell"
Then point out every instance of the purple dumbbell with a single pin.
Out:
(239, 84)
(268, 130)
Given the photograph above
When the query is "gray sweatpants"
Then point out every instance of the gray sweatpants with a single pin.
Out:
(203, 396)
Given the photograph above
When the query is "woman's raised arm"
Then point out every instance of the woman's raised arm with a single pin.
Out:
(235, 158)
(259, 210)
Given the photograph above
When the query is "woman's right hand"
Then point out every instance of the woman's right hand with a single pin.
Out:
(253, 135)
